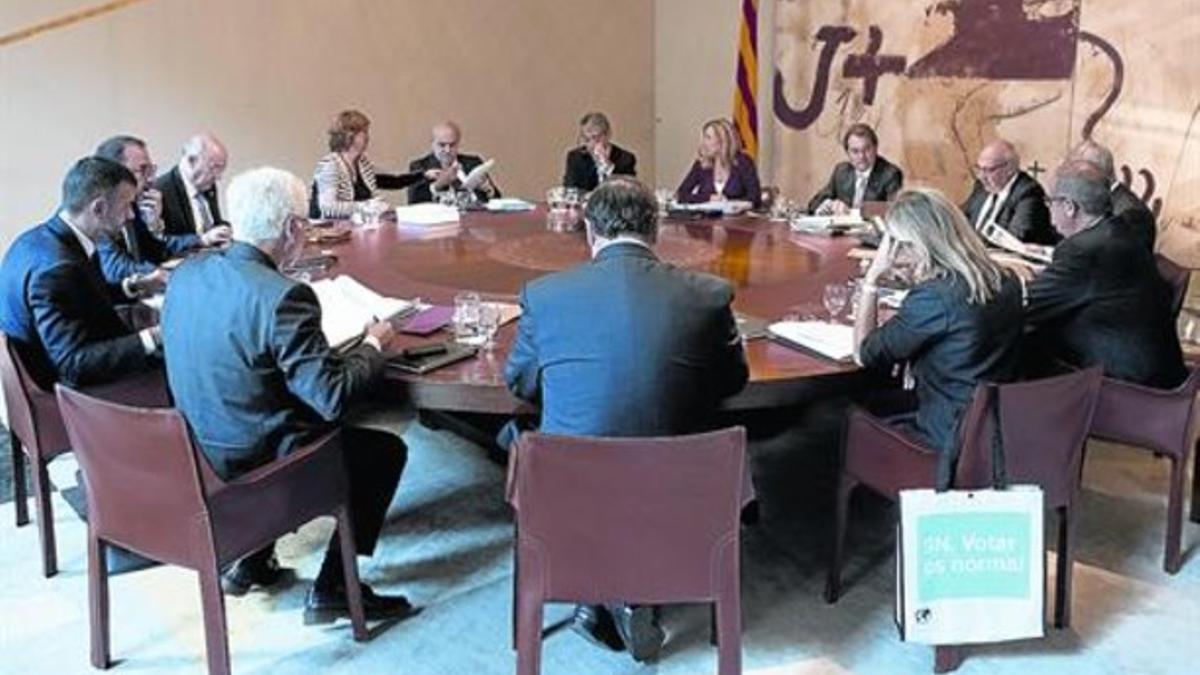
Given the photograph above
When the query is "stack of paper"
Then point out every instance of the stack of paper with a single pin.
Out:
(506, 204)
(833, 340)
(728, 207)
(347, 307)
(826, 224)
(998, 236)
(426, 215)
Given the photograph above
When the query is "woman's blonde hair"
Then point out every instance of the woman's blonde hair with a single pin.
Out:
(731, 145)
(944, 242)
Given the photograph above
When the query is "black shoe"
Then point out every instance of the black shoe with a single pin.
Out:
(327, 605)
(253, 571)
(121, 561)
(594, 623)
(639, 630)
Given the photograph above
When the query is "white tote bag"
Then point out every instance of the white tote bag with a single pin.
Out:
(970, 566)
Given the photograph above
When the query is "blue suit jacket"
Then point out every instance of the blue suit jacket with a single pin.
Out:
(58, 309)
(626, 345)
(249, 367)
(139, 251)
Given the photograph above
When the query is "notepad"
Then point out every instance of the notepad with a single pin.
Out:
(508, 205)
(831, 340)
(425, 215)
(347, 306)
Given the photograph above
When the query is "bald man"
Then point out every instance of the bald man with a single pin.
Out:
(445, 168)
(1006, 196)
(189, 189)
(1132, 210)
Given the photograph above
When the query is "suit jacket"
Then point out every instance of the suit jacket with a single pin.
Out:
(59, 311)
(421, 192)
(1135, 213)
(953, 345)
(699, 184)
(1024, 211)
(885, 181)
(177, 208)
(1101, 301)
(581, 168)
(138, 251)
(249, 367)
(626, 345)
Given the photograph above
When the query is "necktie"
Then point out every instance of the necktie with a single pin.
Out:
(204, 222)
(986, 213)
(129, 232)
(860, 188)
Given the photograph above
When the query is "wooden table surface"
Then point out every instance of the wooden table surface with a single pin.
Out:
(775, 272)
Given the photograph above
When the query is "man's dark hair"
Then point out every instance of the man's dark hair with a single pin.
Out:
(622, 205)
(862, 131)
(92, 177)
(114, 148)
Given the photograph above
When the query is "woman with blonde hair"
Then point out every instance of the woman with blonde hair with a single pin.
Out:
(959, 325)
(721, 170)
(346, 176)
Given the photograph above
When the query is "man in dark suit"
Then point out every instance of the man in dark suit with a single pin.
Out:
(1101, 301)
(1125, 203)
(136, 253)
(58, 308)
(445, 168)
(1006, 196)
(255, 378)
(625, 345)
(866, 177)
(189, 190)
(597, 158)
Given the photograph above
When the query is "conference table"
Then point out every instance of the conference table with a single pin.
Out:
(775, 272)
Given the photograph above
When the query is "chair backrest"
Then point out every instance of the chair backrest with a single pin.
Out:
(32, 411)
(1044, 424)
(641, 520)
(1177, 277)
(143, 484)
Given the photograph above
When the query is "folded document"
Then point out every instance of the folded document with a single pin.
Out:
(347, 307)
(832, 340)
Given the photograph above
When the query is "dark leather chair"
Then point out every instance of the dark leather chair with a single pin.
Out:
(36, 433)
(1043, 426)
(1177, 277)
(583, 504)
(139, 461)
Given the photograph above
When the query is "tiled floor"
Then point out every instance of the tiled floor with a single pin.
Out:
(448, 543)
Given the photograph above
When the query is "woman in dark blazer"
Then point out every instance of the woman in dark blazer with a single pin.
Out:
(960, 325)
(721, 170)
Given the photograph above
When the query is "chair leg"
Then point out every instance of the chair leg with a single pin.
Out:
(358, 617)
(833, 583)
(947, 658)
(1066, 563)
(1172, 557)
(20, 496)
(98, 612)
(729, 642)
(714, 634)
(529, 634)
(45, 517)
(212, 601)
(1195, 514)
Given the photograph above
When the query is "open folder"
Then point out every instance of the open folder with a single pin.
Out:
(347, 307)
(831, 340)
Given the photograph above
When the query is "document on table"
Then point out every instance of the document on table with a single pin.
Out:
(424, 215)
(347, 306)
(831, 340)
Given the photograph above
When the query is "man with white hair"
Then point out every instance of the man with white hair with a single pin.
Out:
(445, 168)
(255, 378)
(1125, 203)
(1006, 196)
(189, 190)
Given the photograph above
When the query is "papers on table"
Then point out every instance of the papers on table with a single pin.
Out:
(827, 225)
(509, 204)
(731, 207)
(426, 215)
(478, 175)
(1006, 240)
(831, 340)
(347, 307)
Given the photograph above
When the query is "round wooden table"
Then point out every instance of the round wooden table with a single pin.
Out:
(775, 272)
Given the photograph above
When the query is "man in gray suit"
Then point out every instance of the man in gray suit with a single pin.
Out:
(1132, 210)
(255, 378)
(625, 345)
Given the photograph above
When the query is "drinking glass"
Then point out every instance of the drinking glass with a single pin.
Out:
(466, 317)
(489, 324)
(835, 298)
(665, 197)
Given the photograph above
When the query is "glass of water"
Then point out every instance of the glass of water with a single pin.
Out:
(466, 317)
(834, 298)
(489, 324)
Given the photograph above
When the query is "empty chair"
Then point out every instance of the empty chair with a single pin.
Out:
(584, 503)
(137, 461)
(1043, 426)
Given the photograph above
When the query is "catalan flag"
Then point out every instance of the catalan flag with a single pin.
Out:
(745, 97)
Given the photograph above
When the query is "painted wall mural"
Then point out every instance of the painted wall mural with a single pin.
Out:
(940, 78)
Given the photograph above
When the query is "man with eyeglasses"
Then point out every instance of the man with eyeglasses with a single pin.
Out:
(1007, 197)
(1101, 300)
(132, 258)
(189, 189)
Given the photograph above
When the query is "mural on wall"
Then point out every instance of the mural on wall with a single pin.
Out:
(940, 79)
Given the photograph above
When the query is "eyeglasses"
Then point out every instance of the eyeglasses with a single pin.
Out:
(980, 170)
(1052, 200)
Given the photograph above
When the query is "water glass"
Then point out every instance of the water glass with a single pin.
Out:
(489, 324)
(665, 197)
(466, 316)
(835, 298)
